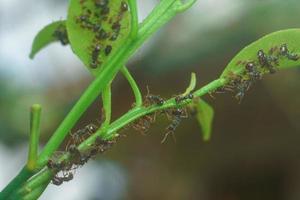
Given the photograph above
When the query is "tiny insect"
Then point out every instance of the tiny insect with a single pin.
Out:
(153, 99)
(176, 117)
(102, 35)
(56, 180)
(284, 51)
(252, 71)
(180, 98)
(61, 34)
(241, 90)
(108, 49)
(266, 61)
(95, 55)
(123, 7)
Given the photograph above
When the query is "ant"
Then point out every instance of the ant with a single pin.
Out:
(266, 61)
(56, 180)
(252, 71)
(176, 115)
(284, 51)
(123, 7)
(95, 55)
(180, 98)
(154, 99)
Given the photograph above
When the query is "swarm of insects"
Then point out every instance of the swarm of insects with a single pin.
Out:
(254, 69)
(102, 19)
(76, 158)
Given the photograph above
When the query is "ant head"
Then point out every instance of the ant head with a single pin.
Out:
(250, 66)
(92, 128)
(260, 53)
(124, 6)
(190, 96)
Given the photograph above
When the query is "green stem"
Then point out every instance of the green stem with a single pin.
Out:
(17, 182)
(134, 19)
(35, 118)
(134, 86)
(106, 98)
(123, 121)
(160, 15)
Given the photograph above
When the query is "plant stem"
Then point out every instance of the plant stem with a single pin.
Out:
(160, 15)
(35, 118)
(106, 98)
(134, 86)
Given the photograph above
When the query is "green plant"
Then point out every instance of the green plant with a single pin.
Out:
(104, 57)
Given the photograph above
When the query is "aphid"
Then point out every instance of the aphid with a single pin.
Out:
(116, 26)
(114, 36)
(102, 35)
(61, 34)
(105, 11)
(97, 27)
(154, 99)
(180, 98)
(108, 49)
(284, 51)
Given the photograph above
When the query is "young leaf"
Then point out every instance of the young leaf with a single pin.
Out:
(205, 115)
(192, 85)
(96, 28)
(270, 44)
(53, 32)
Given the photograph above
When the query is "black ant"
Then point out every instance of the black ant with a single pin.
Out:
(180, 98)
(95, 55)
(266, 61)
(176, 117)
(102, 35)
(123, 7)
(284, 51)
(252, 71)
(56, 180)
(154, 99)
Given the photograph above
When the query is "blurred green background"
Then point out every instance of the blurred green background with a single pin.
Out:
(254, 152)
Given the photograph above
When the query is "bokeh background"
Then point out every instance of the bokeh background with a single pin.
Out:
(254, 152)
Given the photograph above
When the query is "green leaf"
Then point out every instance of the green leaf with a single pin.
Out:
(192, 84)
(205, 116)
(96, 29)
(290, 37)
(53, 32)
